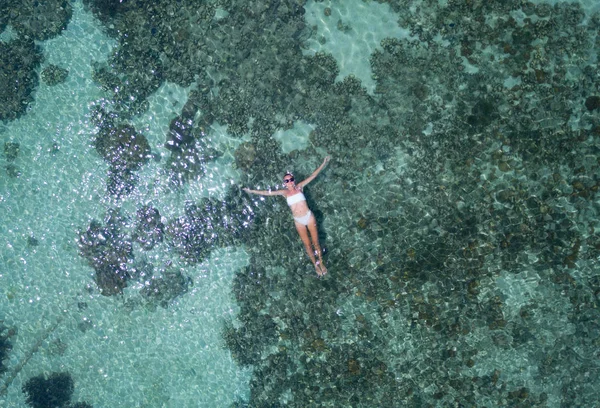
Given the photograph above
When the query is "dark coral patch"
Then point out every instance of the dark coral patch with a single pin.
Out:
(40, 20)
(180, 134)
(11, 151)
(18, 61)
(210, 224)
(592, 102)
(109, 251)
(149, 228)
(123, 147)
(54, 75)
(52, 392)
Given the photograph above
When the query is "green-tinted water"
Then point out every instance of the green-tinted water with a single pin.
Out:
(459, 212)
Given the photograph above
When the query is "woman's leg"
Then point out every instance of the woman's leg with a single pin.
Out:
(307, 245)
(314, 235)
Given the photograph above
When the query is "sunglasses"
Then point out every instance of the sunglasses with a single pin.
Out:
(285, 181)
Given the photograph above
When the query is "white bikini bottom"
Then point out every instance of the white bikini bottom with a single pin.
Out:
(304, 219)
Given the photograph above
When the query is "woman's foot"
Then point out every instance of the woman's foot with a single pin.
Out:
(321, 270)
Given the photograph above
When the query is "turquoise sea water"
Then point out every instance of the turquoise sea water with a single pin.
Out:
(459, 212)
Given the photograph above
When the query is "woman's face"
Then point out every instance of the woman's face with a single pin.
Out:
(288, 180)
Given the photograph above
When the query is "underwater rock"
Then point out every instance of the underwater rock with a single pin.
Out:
(592, 102)
(123, 147)
(198, 101)
(190, 235)
(149, 230)
(18, 61)
(504, 166)
(41, 20)
(52, 392)
(420, 91)
(11, 151)
(54, 75)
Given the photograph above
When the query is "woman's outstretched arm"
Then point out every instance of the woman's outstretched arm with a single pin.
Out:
(315, 173)
(264, 192)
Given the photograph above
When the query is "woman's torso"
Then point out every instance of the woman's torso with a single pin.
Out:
(298, 208)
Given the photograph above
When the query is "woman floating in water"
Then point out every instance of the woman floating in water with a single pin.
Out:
(304, 219)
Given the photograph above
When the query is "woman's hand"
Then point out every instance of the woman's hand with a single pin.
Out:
(246, 189)
(327, 158)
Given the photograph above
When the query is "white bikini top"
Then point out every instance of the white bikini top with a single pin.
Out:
(296, 198)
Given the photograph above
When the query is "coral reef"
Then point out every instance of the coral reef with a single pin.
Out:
(54, 391)
(209, 224)
(149, 228)
(109, 251)
(18, 61)
(459, 216)
(190, 162)
(11, 151)
(53, 75)
(163, 290)
(592, 102)
(120, 182)
(245, 157)
(12, 171)
(125, 149)
(38, 20)
(3, 16)
(479, 145)
(122, 147)
(81, 405)
(180, 134)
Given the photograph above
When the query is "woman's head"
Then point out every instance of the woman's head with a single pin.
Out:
(288, 178)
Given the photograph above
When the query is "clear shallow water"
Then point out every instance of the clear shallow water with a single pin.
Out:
(441, 290)
(47, 289)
